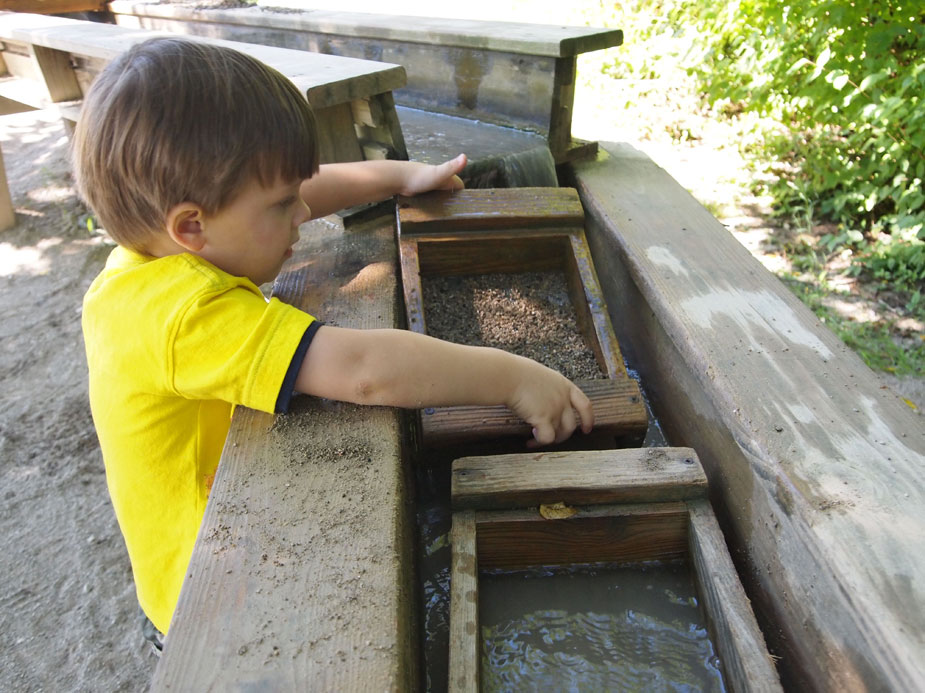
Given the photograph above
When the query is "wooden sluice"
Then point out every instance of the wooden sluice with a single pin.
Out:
(478, 232)
(302, 576)
(627, 505)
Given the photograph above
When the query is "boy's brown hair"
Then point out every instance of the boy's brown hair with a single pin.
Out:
(175, 120)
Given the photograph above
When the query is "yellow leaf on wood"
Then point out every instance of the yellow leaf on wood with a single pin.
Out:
(557, 511)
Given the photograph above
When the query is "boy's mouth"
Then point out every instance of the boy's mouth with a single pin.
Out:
(288, 253)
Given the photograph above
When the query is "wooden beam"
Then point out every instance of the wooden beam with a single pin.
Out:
(465, 653)
(7, 215)
(814, 467)
(739, 642)
(337, 140)
(498, 208)
(57, 74)
(518, 37)
(52, 6)
(301, 578)
(602, 534)
(411, 285)
(326, 80)
(592, 477)
(590, 307)
(618, 410)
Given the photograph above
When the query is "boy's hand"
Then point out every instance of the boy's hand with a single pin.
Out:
(420, 178)
(549, 402)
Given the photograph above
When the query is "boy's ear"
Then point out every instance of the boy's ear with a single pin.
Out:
(184, 226)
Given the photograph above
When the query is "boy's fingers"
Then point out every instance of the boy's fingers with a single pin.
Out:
(543, 434)
(449, 173)
(567, 425)
(585, 411)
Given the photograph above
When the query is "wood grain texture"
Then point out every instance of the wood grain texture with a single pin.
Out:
(411, 285)
(60, 81)
(301, 574)
(326, 80)
(518, 250)
(495, 208)
(609, 534)
(504, 73)
(51, 6)
(7, 215)
(538, 39)
(592, 477)
(465, 653)
(814, 468)
(747, 666)
(337, 140)
(590, 307)
(618, 411)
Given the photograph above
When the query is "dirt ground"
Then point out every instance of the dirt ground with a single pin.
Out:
(68, 612)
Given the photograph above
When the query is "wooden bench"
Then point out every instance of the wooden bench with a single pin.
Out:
(512, 74)
(51, 61)
(815, 468)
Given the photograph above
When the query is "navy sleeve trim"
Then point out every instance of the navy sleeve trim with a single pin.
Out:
(288, 386)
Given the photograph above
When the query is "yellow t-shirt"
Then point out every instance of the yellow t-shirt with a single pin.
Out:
(172, 344)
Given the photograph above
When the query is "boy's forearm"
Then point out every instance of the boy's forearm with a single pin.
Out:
(404, 369)
(340, 186)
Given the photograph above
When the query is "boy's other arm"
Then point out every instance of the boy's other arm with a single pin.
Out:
(339, 186)
(405, 369)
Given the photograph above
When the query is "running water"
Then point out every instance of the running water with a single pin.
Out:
(499, 157)
(595, 628)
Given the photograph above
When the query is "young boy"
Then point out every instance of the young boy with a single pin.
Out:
(201, 163)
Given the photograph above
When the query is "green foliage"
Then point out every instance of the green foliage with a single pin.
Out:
(902, 265)
(874, 342)
(845, 83)
(653, 40)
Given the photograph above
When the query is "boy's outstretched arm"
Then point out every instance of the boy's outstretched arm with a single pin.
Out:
(406, 369)
(338, 186)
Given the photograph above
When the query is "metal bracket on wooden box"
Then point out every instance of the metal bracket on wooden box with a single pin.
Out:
(508, 230)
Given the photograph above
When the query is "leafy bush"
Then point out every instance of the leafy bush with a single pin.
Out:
(845, 81)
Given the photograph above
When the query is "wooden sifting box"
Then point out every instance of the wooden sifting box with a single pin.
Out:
(512, 230)
(633, 505)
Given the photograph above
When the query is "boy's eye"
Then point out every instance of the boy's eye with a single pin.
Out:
(287, 202)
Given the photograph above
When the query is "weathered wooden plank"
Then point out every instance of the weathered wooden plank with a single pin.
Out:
(510, 74)
(617, 403)
(606, 534)
(534, 39)
(815, 469)
(301, 574)
(590, 307)
(411, 285)
(495, 208)
(378, 128)
(465, 654)
(57, 74)
(588, 477)
(560, 118)
(326, 80)
(7, 215)
(52, 6)
(518, 250)
(18, 61)
(337, 139)
(739, 642)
